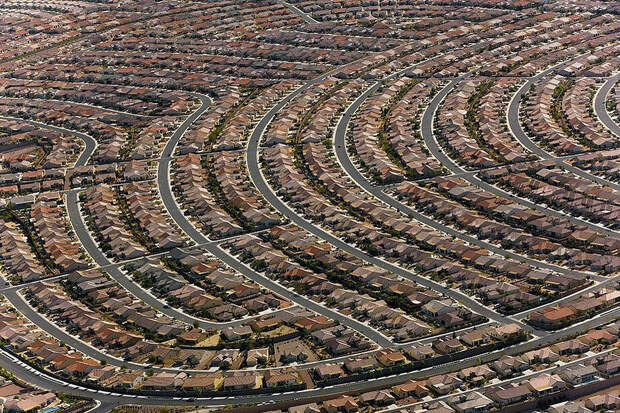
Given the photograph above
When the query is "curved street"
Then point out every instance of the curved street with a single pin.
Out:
(514, 124)
(111, 399)
(434, 147)
(600, 105)
(90, 144)
(89, 244)
(437, 152)
(354, 173)
(203, 75)
(165, 190)
(265, 189)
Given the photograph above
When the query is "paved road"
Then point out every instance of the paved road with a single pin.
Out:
(73, 341)
(85, 105)
(44, 381)
(345, 161)
(110, 400)
(514, 125)
(307, 18)
(114, 271)
(89, 142)
(112, 268)
(261, 183)
(97, 255)
(600, 106)
(434, 147)
(518, 379)
(163, 181)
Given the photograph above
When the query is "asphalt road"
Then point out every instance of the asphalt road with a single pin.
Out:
(515, 127)
(93, 250)
(73, 341)
(345, 161)
(517, 379)
(89, 142)
(305, 16)
(260, 182)
(439, 154)
(435, 149)
(111, 400)
(113, 270)
(163, 181)
(600, 107)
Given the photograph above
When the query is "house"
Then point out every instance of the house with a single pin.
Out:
(569, 347)
(477, 374)
(235, 333)
(257, 356)
(546, 383)
(579, 374)
(361, 365)
(436, 308)
(420, 351)
(552, 318)
(509, 394)
(474, 338)
(163, 381)
(280, 379)
(200, 382)
(125, 380)
(343, 404)
(473, 402)
(305, 408)
(542, 355)
(29, 402)
(508, 365)
(328, 371)
(443, 383)
(410, 388)
(243, 381)
(569, 407)
(377, 398)
(608, 365)
(390, 358)
(448, 346)
(603, 402)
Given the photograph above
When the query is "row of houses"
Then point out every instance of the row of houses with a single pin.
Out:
(454, 134)
(579, 117)
(585, 305)
(106, 127)
(228, 169)
(402, 130)
(514, 225)
(561, 190)
(204, 286)
(492, 131)
(26, 147)
(127, 99)
(18, 259)
(484, 387)
(191, 185)
(141, 202)
(372, 282)
(50, 223)
(105, 220)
